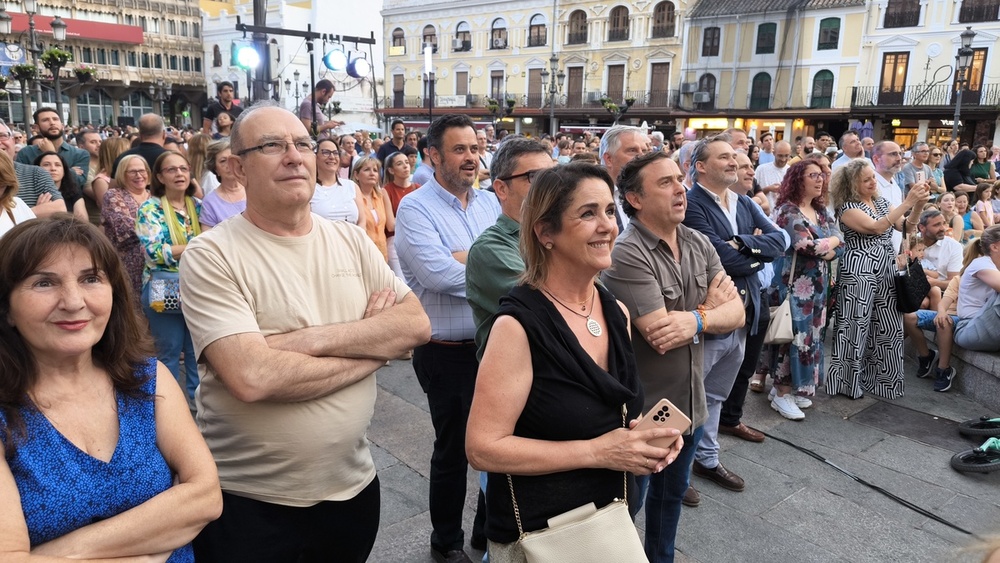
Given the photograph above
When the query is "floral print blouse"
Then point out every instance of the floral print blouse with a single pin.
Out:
(118, 214)
(154, 235)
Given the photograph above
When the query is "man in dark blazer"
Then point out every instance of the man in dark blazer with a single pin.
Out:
(745, 240)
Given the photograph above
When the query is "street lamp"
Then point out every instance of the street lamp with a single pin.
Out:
(554, 87)
(298, 94)
(962, 61)
(161, 92)
(56, 63)
(429, 82)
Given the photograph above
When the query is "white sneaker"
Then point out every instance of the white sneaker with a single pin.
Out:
(786, 407)
(801, 402)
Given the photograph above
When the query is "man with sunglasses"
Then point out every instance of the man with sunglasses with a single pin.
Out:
(291, 316)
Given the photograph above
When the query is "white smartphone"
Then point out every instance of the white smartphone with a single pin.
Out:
(664, 415)
(920, 176)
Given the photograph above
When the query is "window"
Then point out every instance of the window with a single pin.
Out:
(537, 31)
(154, 25)
(463, 37)
(129, 19)
(822, 92)
(893, 81)
(172, 27)
(461, 83)
(184, 29)
(974, 11)
(659, 85)
(710, 43)
(158, 61)
(760, 91)
(216, 56)
(398, 38)
(902, 13)
(706, 85)
(173, 62)
(430, 38)
(498, 34)
(618, 24)
(132, 59)
(115, 57)
(145, 60)
(86, 55)
(102, 56)
(577, 28)
(142, 23)
(829, 34)
(616, 81)
(766, 33)
(496, 85)
(196, 29)
(197, 64)
(664, 20)
(186, 64)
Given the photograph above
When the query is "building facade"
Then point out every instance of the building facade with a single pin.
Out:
(907, 77)
(602, 56)
(354, 98)
(784, 66)
(147, 55)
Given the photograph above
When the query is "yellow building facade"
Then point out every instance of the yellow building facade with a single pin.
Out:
(784, 66)
(599, 54)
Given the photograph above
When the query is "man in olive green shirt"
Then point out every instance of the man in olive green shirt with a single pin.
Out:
(494, 262)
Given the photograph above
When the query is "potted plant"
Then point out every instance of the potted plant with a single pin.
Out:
(55, 58)
(84, 73)
(3, 82)
(492, 105)
(24, 71)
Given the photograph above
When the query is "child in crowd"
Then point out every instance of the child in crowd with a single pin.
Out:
(917, 251)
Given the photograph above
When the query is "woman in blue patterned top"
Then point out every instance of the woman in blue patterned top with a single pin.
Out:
(165, 224)
(99, 456)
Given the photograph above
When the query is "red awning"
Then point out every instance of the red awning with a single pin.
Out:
(81, 29)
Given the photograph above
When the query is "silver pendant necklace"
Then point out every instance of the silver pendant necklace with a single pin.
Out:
(593, 326)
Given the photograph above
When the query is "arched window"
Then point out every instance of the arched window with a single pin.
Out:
(706, 85)
(822, 90)
(760, 91)
(463, 37)
(216, 56)
(904, 13)
(664, 20)
(766, 35)
(710, 42)
(618, 24)
(537, 31)
(829, 34)
(577, 28)
(498, 34)
(398, 38)
(430, 38)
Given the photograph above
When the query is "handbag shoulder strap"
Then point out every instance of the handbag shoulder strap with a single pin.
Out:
(513, 499)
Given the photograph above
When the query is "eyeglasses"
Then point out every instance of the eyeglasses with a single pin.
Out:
(817, 175)
(175, 169)
(272, 148)
(327, 153)
(137, 172)
(920, 151)
(935, 154)
(5, 136)
(530, 175)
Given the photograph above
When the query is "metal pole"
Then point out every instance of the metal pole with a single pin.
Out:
(59, 102)
(35, 51)
(430, 98)
(552, 97)
(958, 99)
(312, 83)
(26, 106)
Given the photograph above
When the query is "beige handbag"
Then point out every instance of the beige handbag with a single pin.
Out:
(584, 534)
(779, 329)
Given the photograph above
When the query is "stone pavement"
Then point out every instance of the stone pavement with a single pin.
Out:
(795, 508)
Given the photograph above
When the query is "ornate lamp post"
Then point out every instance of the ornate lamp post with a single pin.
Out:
(161, 92)
(429, 82)
(298, 94)
(554, 87)
(962, 61)
(58, 35)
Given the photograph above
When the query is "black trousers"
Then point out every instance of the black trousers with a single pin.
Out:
(251, 531)
(447, 373)
(732, 408)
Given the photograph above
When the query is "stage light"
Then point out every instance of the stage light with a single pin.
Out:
(335, 60)
(359, 66)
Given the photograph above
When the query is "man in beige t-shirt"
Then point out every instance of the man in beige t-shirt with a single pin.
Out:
(291, 315)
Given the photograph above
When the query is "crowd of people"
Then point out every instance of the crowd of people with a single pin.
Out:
(261, 270)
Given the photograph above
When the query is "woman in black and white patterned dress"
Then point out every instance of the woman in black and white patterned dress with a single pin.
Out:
(868, 334)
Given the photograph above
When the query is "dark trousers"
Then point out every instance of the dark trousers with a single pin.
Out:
(250, 531)
(447, 373)
(732, 408)
(663, 494)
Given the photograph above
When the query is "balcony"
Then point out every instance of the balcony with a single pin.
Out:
(654, 99)
(618, 34)
(576, 38)
(903, 18)
(941, 95)
(664, 31)
(981, 12)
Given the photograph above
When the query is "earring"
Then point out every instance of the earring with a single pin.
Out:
(548, 246)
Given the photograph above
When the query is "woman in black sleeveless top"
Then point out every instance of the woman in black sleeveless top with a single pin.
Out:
(558, 370)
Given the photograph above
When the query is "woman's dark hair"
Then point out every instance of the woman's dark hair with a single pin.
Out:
(157, 188)
(125, 344)
(67, 187)
(986, 158)
(387, 175)
(961, 161)
(793, 185)
(547, 200)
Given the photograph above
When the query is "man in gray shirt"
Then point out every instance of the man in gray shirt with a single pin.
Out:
(921, 152)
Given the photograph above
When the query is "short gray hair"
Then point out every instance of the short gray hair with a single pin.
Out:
(700, 152)
(214, 148)
(611, 140)
(510, 151)
(657, 135)
(929, 215)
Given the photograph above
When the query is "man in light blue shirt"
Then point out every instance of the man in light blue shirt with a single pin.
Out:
(435, 226)
(424, 171)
